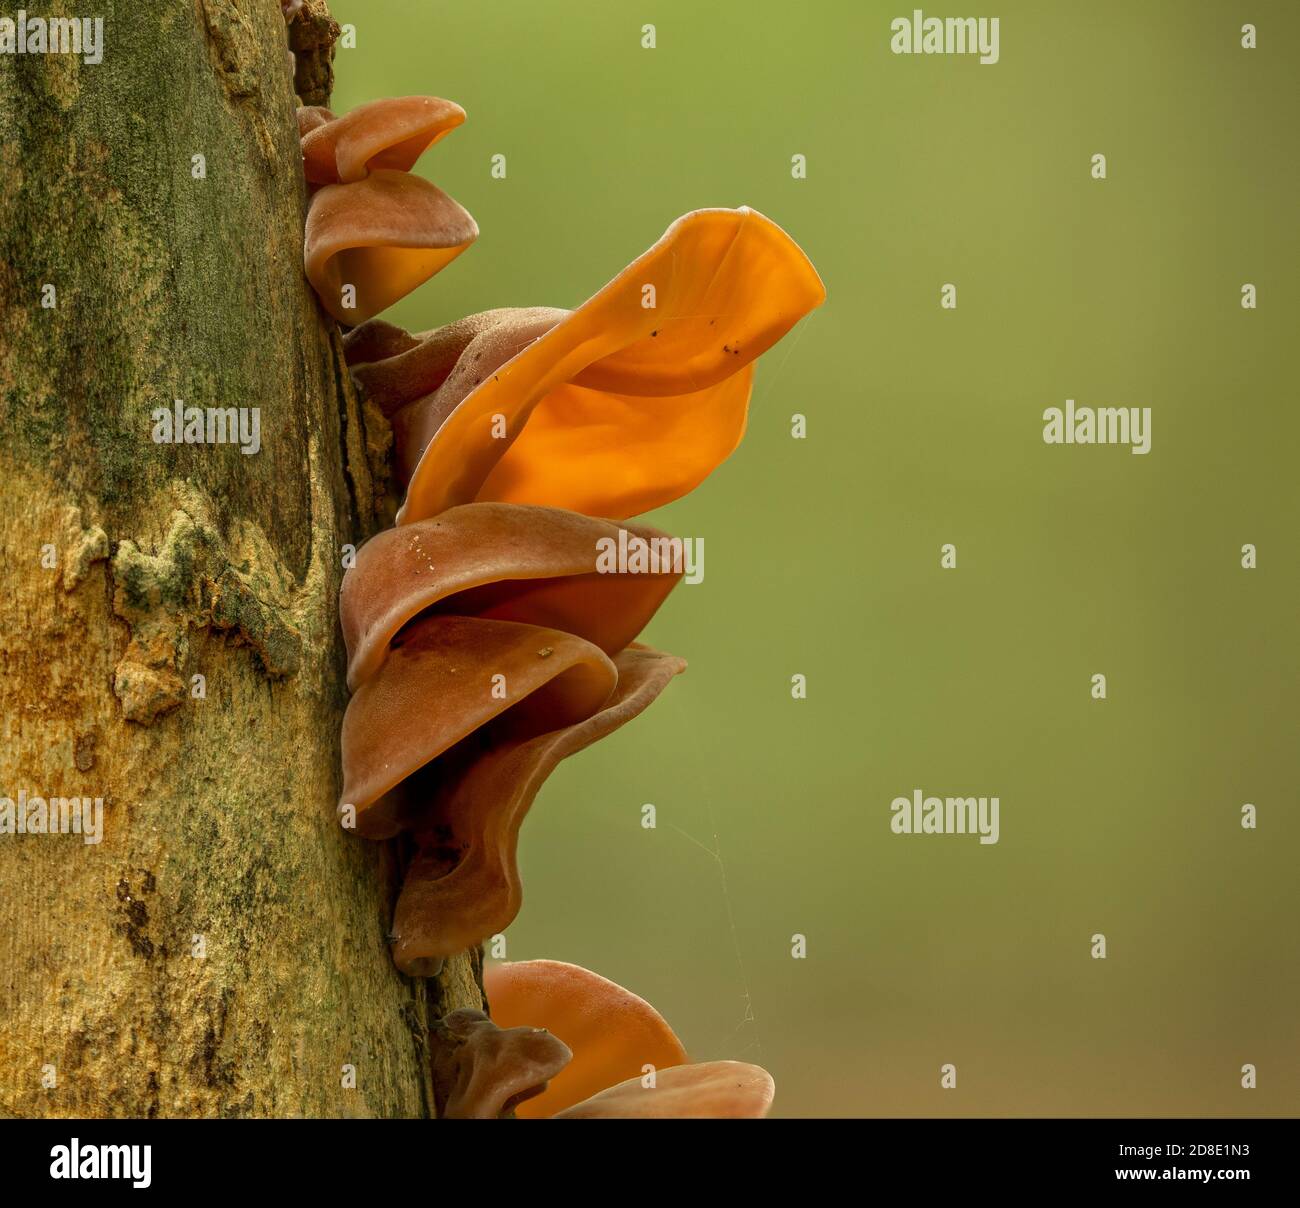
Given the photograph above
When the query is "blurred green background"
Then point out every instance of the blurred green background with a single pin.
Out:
(924, 427)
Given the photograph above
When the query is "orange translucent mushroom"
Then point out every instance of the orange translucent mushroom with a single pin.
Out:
(710, 1090)
(447, 677)
(383, 236)
(464, 883)
(389, 133)
(504, 562)
(612, 1032)
(627, 402)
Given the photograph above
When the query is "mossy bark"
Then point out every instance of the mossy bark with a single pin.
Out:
(223, 950)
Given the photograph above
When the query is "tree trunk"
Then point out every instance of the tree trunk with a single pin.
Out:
(223, 950)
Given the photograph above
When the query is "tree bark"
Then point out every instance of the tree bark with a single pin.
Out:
(223, 951)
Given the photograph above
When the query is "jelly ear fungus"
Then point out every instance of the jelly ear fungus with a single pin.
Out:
(485, 641)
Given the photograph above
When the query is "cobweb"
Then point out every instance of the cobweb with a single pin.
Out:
(748, 1019)
(746, 1032)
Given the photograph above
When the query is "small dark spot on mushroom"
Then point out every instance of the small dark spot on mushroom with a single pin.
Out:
(653, 334)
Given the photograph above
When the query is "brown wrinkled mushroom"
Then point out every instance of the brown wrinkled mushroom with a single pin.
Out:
(710, 1090)
(613, 1033)
(395, 372)
(617, 407)
(499, 561)
(375, 340)
(482, 1072)
(478, 806)
(389, 133)
(446, 677)
(384, 236)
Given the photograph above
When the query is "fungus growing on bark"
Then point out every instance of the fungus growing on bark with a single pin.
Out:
(396, 369)
(484, 643)
(374, 231)
(499, 561)
(617, 407)
(710, 1090)
(627, 1062)
(377, 340)
(482, 1072)
(631, 415)
(382, 236)
(463, 884)
(446, 677)
(613, 1033)
(390, 133)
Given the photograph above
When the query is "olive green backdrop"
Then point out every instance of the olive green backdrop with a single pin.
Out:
(924, 427)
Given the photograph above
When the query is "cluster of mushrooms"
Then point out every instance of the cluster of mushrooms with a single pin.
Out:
(484, 645)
